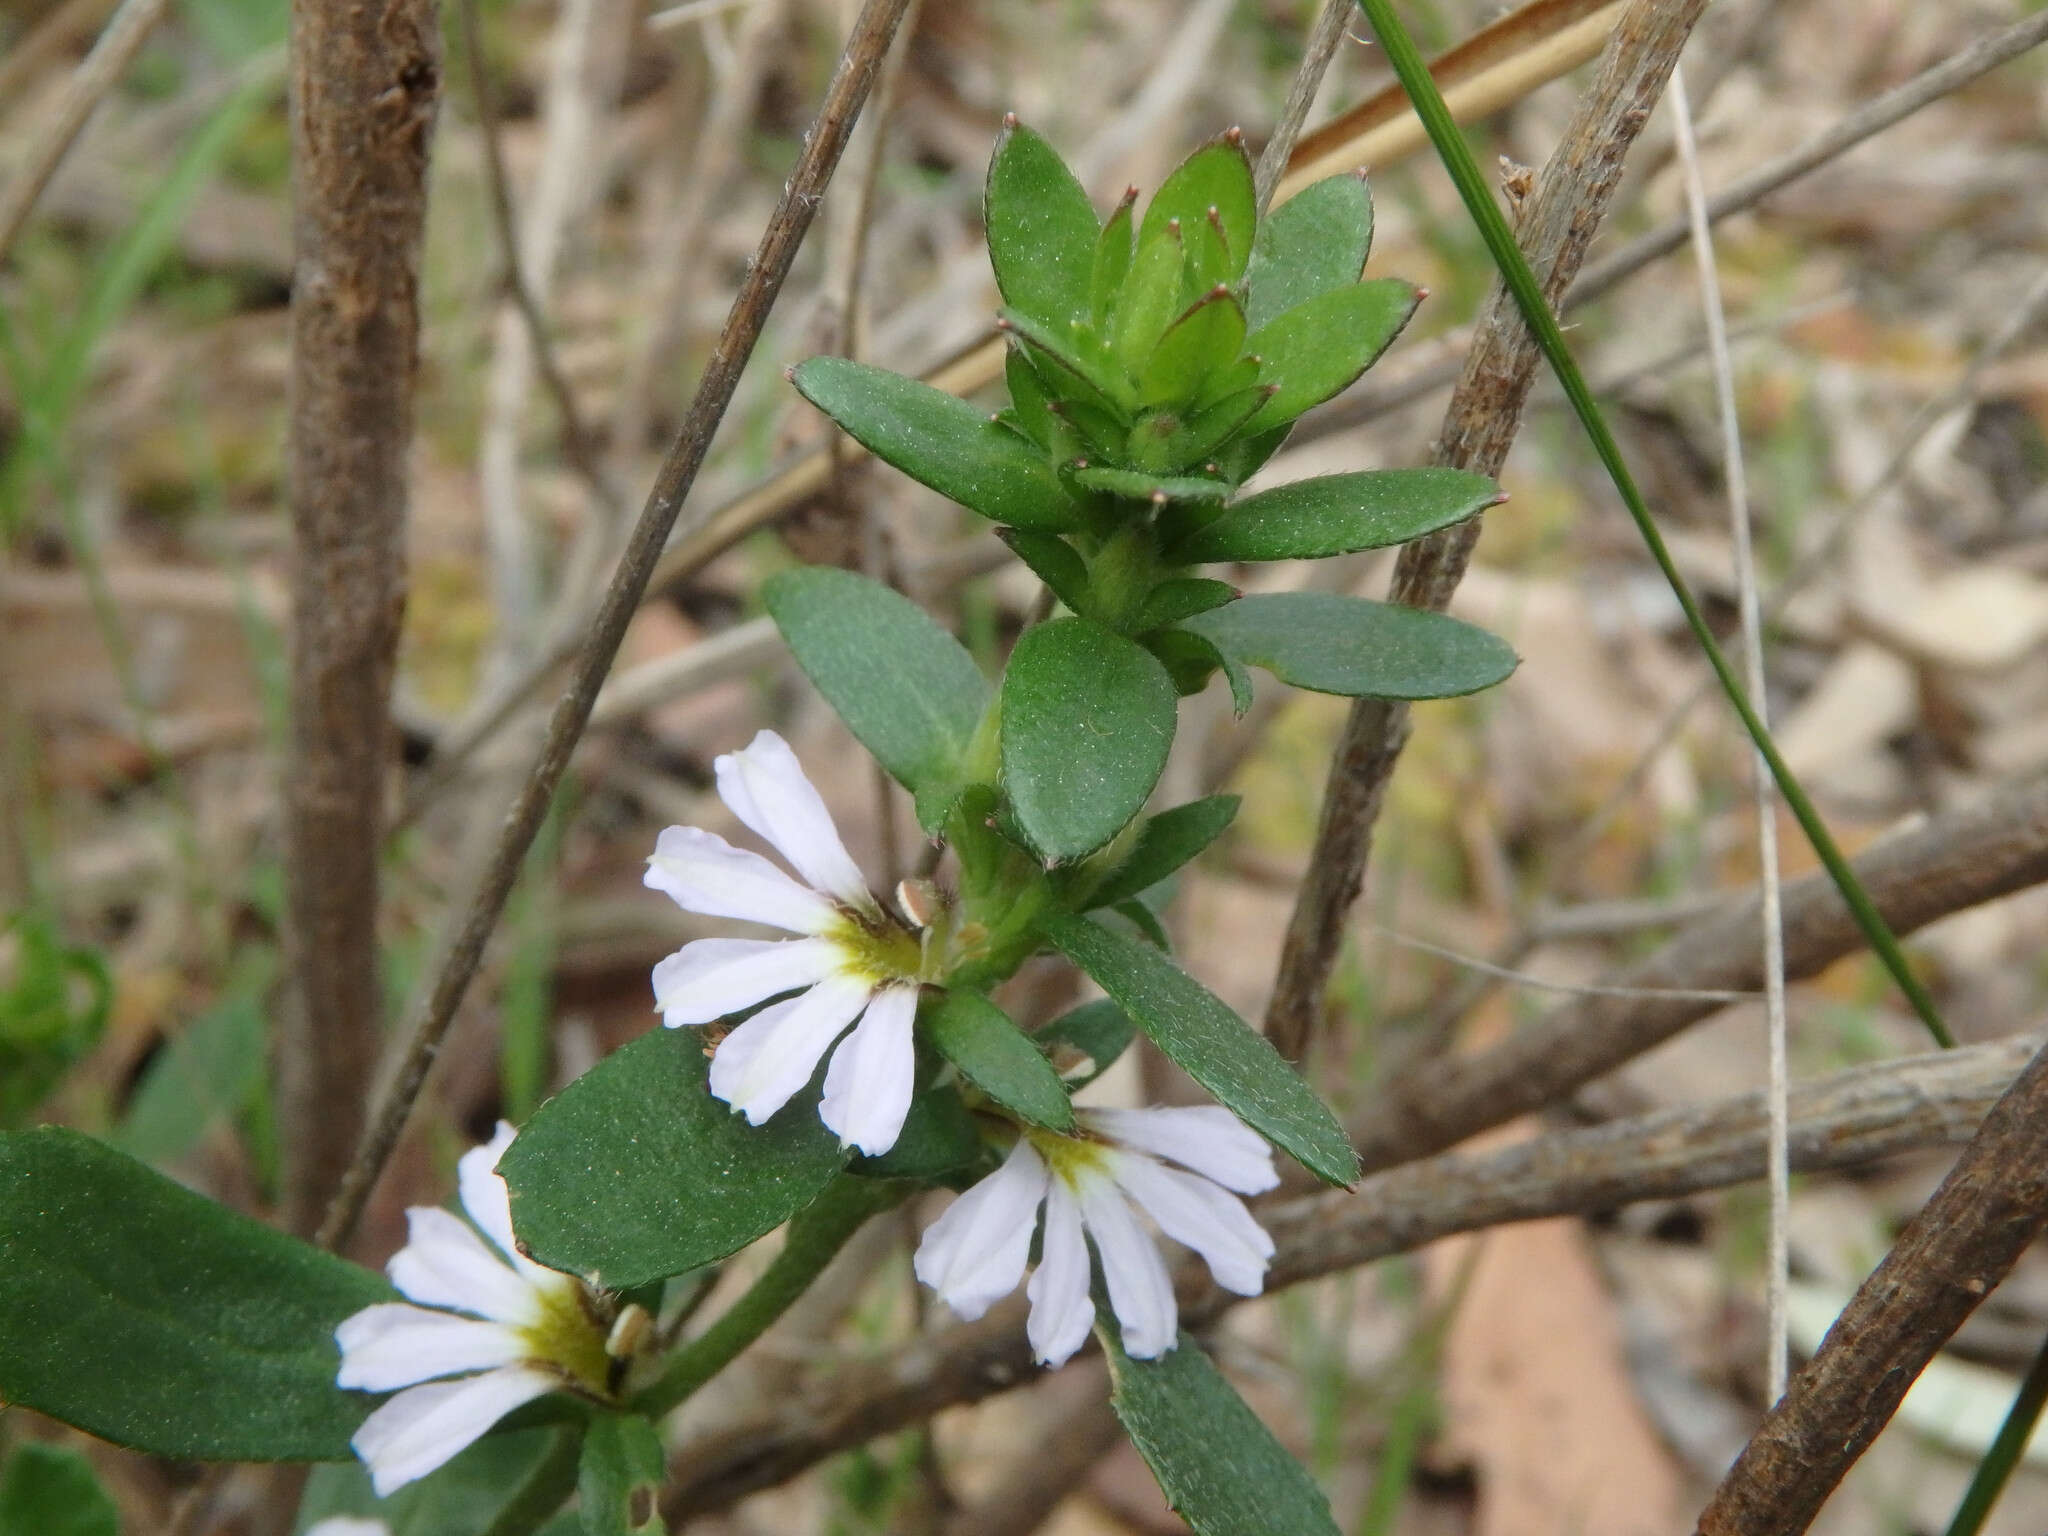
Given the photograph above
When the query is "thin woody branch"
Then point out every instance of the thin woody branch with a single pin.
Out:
(1841, 1121)
(1480, 424)
(365, 81)
(865, 47)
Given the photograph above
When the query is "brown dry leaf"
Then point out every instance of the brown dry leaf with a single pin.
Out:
(1537, 1395)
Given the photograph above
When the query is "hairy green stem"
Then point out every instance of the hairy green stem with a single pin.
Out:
(2007, 1447)
(1408, 64)
(814, 1238)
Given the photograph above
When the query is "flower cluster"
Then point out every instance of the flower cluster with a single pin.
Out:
(855, 956)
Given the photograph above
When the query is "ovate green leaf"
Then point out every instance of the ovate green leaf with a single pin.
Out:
(1164, 843)
(1211, 1044)
(997, 1057)
(1099, 1032)
(1218, 176)
(1087, 717)
(905, 687)
(153, 1317)
(1203, 341)
(1337, 514)
(1316, 349)
(1349, 645)
(1217, 1463)
(1041, 229)
(464, 1498)
(635, 1172)
(1315, 241)
(939, 440)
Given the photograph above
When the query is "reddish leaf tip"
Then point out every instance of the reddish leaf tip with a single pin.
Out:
(1009, 119)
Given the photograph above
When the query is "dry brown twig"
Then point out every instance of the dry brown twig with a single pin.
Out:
(365, 83)
(1556, 227)
(1841, 1121)
(798, 205)
(1989, 1209)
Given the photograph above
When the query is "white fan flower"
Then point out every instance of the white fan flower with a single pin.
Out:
(975, 1253)
(505, 1329)
(854, 960)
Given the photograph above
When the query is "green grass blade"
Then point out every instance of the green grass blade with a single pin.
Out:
(1408, 64)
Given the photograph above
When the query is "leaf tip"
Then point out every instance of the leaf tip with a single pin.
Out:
(1233, 134)
(1009, 122)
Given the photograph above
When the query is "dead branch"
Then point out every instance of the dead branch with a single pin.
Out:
(1948, 863)
(1952, 1255)
(365, 82)
(823, 145)
(1844, 1120)
(1479, 427)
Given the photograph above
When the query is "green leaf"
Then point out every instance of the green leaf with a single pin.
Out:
(1028, 399)
(939, 441)
(1087, 717)
(1041, 228)
(1141, 487)
(618, 1485)
(998, 1058)
(1338, 514)
(1164, 843)
(635, 1172)
(1314, 242)
(1183, 597)
(1317, 349)
(1213, 1045)
(1146, 921)
(1218, 1465)
(1192, 659)
(1330, 643)
(1202, 342)
(1099, 1031)
(907, 689)
(153, 1317)
(938, 1140)
(1211, 426)
(1072, 363)
(1054, 561)
(467, 1497)
(45, 1491)
(1150, 298)
(1112, 261)
(1219, 176)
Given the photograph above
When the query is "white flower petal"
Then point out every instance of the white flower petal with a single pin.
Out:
(445, 1264)
(766, 788)
(484, 1194)
(348, 1525)
(393, 1345)
(424, 1427)
(1204, 1216)
(974, 1254)
(779, 1048)
(873, 1072)
(711, 978)
(701, 872)
(1204, 1137)
(1061, 1310)
(1140, 1291)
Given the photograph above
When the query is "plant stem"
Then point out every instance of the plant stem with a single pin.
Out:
(815, 1237)
(1407, 62)
(2007, 1447)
